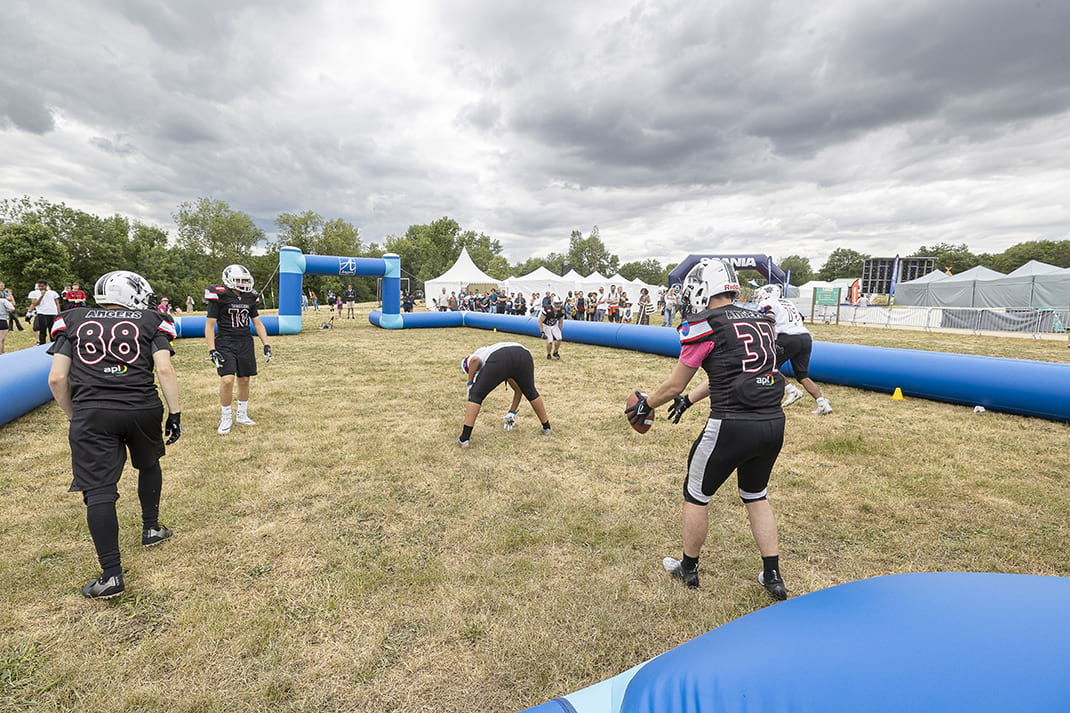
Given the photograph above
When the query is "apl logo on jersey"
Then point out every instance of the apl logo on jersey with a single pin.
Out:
(118, 369)
(347, 266)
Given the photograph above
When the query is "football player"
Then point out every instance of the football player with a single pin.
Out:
(488, 367)
(550, 326)
(232, 309)
(736, 347)
(102, 378)
(793, 343)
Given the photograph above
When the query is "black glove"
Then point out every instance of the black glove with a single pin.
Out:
(638, 412)
(216, 357)
(173, 427)
(267, 352)
(680, 404)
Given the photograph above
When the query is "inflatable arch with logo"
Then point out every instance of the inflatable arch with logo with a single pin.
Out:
(762, 263)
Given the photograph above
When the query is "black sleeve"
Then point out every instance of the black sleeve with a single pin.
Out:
(62, 345)
(213, 308)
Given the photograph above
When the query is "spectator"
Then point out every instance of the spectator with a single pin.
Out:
(581, 306)
(601, 305)
(315, 300)
(408, 302)
(7, 309)
(668, 308)
(645, 308)
(304, 302)
(45, 304)
(350, 297)
(10, 297)
(339, 304)
(76, 296)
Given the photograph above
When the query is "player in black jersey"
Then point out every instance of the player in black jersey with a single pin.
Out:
(102, 378)
(231, 309)
(550, 326)
(745, 430)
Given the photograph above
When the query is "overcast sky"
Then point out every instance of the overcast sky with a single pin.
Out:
(676, 127)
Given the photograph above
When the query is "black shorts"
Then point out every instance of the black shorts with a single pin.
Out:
(239, 357)
(795, 348)
(4, 325)
(100, 437)
(507, 363)
(748, 447)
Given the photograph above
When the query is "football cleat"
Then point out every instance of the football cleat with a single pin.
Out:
(104, 588)
(791, 395)
(676, 569)
(547, 432)
(464, 444)
(225, 424)
(154, 535)
(243, 419)
(823, 407)
(557, 356)
(774, 585)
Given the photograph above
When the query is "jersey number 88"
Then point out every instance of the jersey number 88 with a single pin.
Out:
(122, 346)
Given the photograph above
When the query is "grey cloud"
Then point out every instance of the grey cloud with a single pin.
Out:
(24, 107)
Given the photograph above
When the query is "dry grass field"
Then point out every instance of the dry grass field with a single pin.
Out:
(345, 555)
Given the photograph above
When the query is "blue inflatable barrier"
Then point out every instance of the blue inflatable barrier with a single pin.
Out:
(1019, 386)
(23, 381)
(938, 641)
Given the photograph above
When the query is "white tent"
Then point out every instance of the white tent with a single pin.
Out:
(574, 279)
(463, 273)
(975, 273)
(592, 282)
(540, 280)
(1035, 267)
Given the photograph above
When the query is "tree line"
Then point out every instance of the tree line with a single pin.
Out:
(42, 239)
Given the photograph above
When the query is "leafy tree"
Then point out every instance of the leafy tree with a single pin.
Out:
(29, 252)
(842, 262)
(302, 231)
(1052, 252)
(486, 253)
(213, 228)
(957, 258)
(801, 272)
(585, 255)
(649, 271)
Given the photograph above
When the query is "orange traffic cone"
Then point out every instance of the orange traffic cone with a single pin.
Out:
(897, 395)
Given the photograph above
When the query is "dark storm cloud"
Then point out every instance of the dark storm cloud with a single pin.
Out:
(685, 93)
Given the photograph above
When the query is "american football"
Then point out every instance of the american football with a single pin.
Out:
(644, 425)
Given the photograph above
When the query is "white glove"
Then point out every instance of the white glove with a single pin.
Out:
(509, 420)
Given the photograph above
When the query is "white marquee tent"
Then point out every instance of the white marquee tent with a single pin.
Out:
(463, 273)
(1033, 285)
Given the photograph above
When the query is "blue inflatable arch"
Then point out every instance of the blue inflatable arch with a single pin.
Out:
(24, 373)
(762, 263)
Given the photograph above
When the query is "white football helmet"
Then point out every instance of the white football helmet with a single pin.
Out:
(768, 292)
(236, 277)
(126, 289)
(711, 276)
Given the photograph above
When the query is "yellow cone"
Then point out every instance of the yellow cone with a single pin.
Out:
(495, 329)
(897, 395)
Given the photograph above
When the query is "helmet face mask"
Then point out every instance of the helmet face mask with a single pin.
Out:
(126, 289)
(237, 277)
(710, 277)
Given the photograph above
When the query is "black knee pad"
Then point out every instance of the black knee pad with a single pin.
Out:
(101, 496)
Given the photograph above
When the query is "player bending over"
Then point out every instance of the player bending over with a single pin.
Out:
(101, 376)
(231, 308)
(793, 343)
(745, 429)
(489, 366)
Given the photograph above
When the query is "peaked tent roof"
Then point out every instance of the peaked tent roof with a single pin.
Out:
(934, 276)
(540, 273)
(1035, 267)
(574, 276)
(975, 273)
(464, 270)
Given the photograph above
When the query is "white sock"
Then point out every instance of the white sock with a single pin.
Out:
(243, 407)
(225, 410)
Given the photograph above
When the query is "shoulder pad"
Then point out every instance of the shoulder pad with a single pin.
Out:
(695, 331)
(213, 293)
